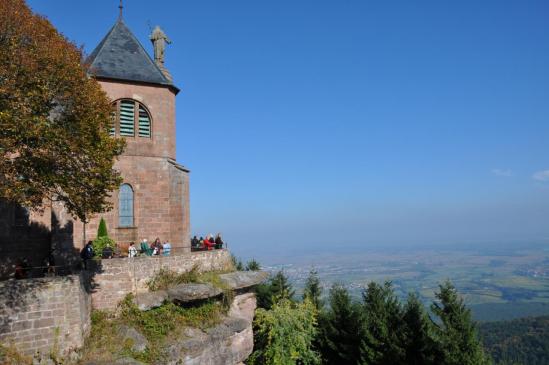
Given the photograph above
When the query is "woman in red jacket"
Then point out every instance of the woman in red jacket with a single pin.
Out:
(208, 242)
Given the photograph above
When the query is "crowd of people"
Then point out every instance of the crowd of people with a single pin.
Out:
(208, 243)
(156, 248)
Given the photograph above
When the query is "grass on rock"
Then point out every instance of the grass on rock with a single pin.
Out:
(158, 325)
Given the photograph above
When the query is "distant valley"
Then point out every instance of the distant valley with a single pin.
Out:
(497, 282)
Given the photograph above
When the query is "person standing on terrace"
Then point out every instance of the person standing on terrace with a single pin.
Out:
(218, 241)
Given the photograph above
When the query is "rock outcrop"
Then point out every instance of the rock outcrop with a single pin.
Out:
(230, 342)
(243, 279)
(185, 293)
(138, 342)
(150, 300)
(191, 292)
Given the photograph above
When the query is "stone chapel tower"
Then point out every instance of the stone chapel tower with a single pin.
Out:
(153, 200)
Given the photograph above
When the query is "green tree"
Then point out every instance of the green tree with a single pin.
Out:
(54, 120)
(283, 335)
(456, 332)
(419, 345)
(102, 229)
(253, 265)
(382, 342)
(277, 288)
(340, 328)
(313, 290)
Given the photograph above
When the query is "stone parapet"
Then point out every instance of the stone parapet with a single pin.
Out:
(113, 279)
(46, 315)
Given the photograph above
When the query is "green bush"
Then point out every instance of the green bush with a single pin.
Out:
(285, 334)
(253, 265)
(100, 243)
(166, 278)
(156, 324)
(237, 263)
(102, 229)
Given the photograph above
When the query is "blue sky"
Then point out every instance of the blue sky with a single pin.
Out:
(338, 123)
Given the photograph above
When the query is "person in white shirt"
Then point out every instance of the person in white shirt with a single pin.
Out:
(132, 251)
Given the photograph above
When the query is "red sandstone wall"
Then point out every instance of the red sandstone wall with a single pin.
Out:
(161, 204)
(161, 187)
(161, 104)
(37, 314)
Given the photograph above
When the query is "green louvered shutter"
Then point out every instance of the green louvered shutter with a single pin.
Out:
(127, 117)
(144, 122)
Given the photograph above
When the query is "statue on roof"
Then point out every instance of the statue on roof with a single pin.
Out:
(159, 40)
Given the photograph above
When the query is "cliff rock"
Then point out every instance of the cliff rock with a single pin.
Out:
(228, 343)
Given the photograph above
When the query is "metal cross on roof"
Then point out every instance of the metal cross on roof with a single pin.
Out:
(120, 7)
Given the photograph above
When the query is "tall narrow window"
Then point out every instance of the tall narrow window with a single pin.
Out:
(125, 206)
(127, 116)
(144, 122)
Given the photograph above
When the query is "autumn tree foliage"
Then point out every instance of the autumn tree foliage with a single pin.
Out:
(54, 118)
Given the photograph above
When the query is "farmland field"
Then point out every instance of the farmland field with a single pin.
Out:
(497, 283)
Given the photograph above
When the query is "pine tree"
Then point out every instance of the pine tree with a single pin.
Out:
(419, 345)
(340, 329)
(253, 265)
(277, 288)
(456, 332)
(313, 290)
(102, 229)
(383, 339)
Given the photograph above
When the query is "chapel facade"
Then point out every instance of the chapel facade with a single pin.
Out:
(153, 200)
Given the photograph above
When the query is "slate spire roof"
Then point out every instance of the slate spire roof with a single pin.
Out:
(120, 56)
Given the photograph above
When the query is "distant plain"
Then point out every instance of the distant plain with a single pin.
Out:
(498, 282)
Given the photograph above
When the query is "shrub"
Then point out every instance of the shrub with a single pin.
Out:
(285, 334)
(253, 265)
(102, 229)
(237, 263)
(157, 323)
(166, 278)
(100, 243)
(9, 355)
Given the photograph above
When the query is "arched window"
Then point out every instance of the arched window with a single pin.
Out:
(125, 206)
(130, 116)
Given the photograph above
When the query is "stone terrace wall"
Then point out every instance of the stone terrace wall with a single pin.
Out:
(115, 278)
(37, 315)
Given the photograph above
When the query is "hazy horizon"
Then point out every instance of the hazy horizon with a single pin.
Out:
(309, 125)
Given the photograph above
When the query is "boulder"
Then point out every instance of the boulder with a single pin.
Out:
(184, 293)
(229, 327)
(139, 342)
(243, 306)
(228, 343)
(150, 300)
(243, 279)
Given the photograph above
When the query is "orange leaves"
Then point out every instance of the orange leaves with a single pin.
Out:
(53, 137)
